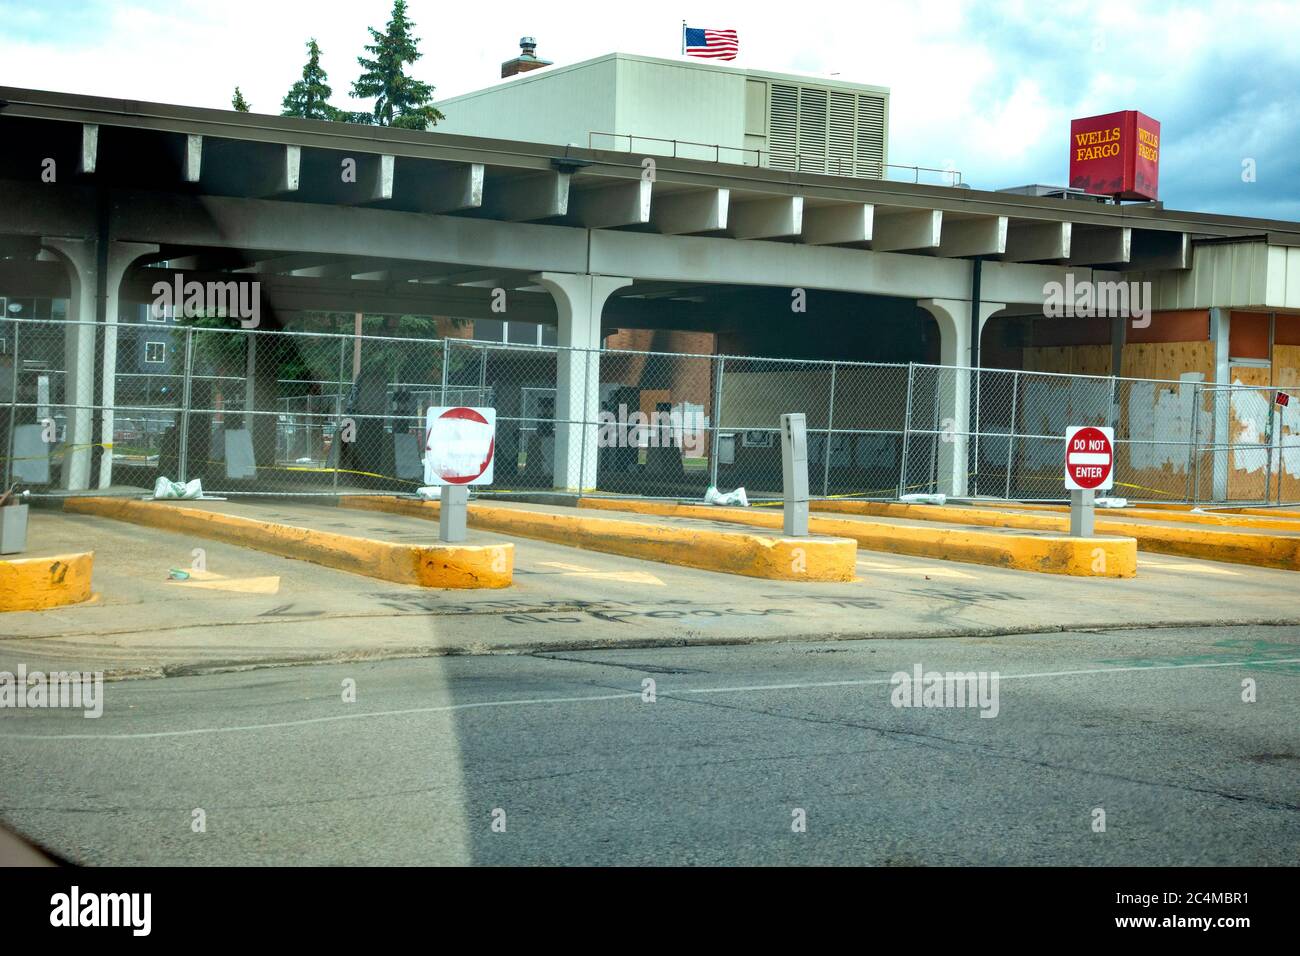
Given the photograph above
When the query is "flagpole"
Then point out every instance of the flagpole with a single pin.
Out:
(683, 38)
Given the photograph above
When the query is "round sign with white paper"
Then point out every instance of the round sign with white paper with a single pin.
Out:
(459, 445)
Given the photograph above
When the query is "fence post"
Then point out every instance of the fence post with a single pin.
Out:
(446, 343)
(973, 446)
(13, 411)
(335, 445)
(182, 462)
(1011, 431)
(907, 430)
(717, 425)
(1281, 452)
(586, 384)
(1268, 467)
(826, 447)
(1194, 460)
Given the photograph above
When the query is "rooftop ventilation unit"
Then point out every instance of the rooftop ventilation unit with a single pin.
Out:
(814, 129)
(1054, 192)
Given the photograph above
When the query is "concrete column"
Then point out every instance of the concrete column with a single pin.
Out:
(121, 256)
(579, 300)
(953, 387)
(81, 260)
(78, 257)
(1221, 404)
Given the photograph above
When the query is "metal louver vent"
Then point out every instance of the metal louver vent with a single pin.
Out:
(840, 135)
(812, 130)
(782, 125)
(826, 131)
(871, 137)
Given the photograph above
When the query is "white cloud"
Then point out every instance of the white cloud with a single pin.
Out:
(990, 86)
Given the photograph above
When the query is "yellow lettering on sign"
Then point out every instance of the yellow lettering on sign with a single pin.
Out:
(1097, 152)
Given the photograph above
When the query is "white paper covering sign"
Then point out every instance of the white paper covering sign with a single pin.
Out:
(459, 445)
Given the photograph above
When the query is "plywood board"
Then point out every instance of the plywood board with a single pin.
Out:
(1286, 377)
(1248, 425)
(1168, 361)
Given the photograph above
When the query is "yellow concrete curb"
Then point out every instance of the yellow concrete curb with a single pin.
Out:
(1082, 557)
(1279, 513)
(1252, 518)
(425, 565)
(1236, 547)
(732, 552)
(34, 584)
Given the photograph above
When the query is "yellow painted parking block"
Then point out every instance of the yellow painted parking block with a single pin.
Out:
(35, 584)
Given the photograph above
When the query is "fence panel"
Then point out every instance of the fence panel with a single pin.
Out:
(287, 412)
(1246, 446)
(520, 382)
(42, 419)
(655, 429)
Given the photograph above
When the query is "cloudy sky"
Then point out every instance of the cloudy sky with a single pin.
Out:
(988, 87)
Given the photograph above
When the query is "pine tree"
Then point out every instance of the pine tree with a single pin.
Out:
(309, 97)
(400, 100)
(238, 103)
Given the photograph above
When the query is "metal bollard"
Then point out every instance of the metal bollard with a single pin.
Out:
(794, 468)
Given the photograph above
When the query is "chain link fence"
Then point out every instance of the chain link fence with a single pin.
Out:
(301, 413)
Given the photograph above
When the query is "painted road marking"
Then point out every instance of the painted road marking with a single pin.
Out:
(1195, 568)
(624, 577)
(926, 572)
(219, 582)
(629, 695)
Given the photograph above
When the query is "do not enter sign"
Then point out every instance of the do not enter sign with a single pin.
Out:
(459, 446)
(1089, 458)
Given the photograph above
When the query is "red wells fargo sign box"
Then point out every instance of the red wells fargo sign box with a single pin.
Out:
(1117, 154)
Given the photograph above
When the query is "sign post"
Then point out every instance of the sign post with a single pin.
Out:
(459, 447)
(1089, 466)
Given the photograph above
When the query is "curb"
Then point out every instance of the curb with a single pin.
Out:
(1235, 547)
(1268, 513)
(731, 552)
(34, 584)
(430, 566)
(1255, 519)
(1045, 555)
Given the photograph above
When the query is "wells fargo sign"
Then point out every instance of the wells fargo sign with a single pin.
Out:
(1117, 154)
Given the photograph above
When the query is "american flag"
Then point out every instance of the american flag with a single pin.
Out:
(714, 44)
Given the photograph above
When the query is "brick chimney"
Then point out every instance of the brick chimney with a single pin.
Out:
(525, 61)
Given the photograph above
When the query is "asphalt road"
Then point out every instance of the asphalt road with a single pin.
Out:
(1148, 726)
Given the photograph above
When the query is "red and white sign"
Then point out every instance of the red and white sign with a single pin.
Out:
(1089, 458)
(459, 444)
(1283, 399)
(1116, 154)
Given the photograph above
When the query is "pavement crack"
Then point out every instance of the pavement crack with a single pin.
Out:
(940, 742)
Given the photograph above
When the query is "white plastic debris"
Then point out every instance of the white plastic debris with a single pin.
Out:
(1111, 502)
(167, 490)
(924, 499)
(430, 492)
(714, 497)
